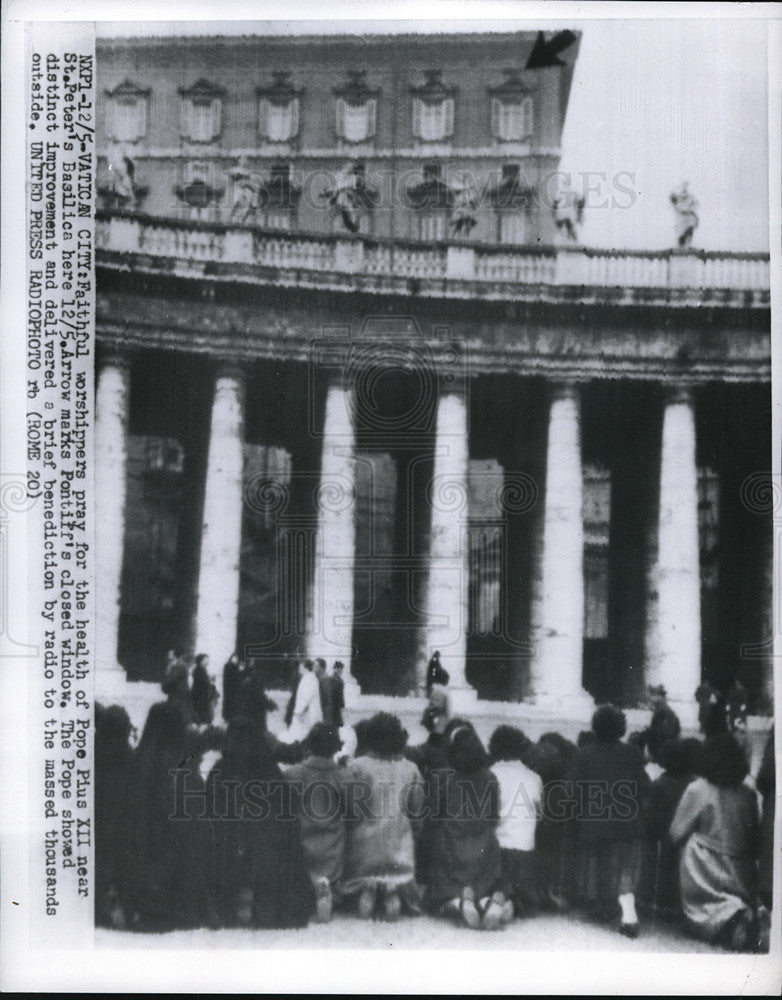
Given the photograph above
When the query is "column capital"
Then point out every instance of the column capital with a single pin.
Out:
(230, 369)
(679, 392)
(114, 357)
(565, 389)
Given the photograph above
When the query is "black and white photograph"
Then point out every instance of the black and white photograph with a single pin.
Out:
(435, 484)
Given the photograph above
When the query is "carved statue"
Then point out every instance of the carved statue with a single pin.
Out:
(463, 219)
(686, 207)
(122, 171)
(349, 195)
(245, 193)
(568, 214)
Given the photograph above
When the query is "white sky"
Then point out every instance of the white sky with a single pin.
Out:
(663, 101)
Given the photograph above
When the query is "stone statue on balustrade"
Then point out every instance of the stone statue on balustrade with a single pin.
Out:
(350, 196)
(463, 219)
(568, 209)
(121, 192)
(244, 201)
(686, 208)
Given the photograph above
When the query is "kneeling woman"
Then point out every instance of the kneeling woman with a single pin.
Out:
(465, 864)
(717, 825)
(385, 805)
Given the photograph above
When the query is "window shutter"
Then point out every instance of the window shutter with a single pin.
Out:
(217, 111)
(371, 118)
(449, 114)
(185, 117)
(141, 119)
(528, 114)
(294, 118)
(263, 118)
(417, 117)
(496, 108)
(340, 117)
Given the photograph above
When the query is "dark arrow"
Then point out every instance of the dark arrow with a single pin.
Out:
(546, 53)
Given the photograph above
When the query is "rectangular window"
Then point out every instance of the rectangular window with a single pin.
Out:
(278, 122)
(431, 226)
(201, 118)
(433, 122)
(277, 218)
(356, 123)
(513, 228)
(128, 118)
(512, 122)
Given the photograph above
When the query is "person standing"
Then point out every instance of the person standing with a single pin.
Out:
(235, 674)
(307, 710)
(436, 673)
(203, 692)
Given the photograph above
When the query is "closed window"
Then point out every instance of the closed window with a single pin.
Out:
(431, 226)
(356, 122)
(128, 118)
(127, 112)
(433, 122)
(277, 218)
(201, 114)
(278, 122)
(512, 228)
(512, 120)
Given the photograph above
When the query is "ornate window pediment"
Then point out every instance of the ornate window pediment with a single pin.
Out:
(356, 108)
(278, 109)
(433, 108)
(202, 108)
(128, 105)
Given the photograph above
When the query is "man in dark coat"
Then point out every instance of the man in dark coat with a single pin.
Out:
(332, 695)
(436, 673)
(664, 726)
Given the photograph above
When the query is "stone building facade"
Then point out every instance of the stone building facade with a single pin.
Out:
(355, 399)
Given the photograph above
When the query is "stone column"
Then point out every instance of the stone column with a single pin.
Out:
(110, 494)
(448, 578)
(221, 535)
(674, 621)
(555, 676)
(330, 621)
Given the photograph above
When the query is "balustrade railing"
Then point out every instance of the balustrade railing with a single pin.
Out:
(386, 260)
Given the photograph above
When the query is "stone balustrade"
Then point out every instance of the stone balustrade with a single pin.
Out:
(457, 269)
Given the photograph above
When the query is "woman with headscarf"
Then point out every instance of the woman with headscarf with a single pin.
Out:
(717, 827)
(609, 787)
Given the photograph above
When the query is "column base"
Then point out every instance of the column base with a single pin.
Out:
(461, 699)
(351, 692)
(687, 712)
(578, 705)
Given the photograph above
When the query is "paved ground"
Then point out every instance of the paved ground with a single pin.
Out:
(543, 933)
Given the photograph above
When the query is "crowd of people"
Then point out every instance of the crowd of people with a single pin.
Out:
(286, 829)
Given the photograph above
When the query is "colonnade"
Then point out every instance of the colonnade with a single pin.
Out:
(673, 640)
